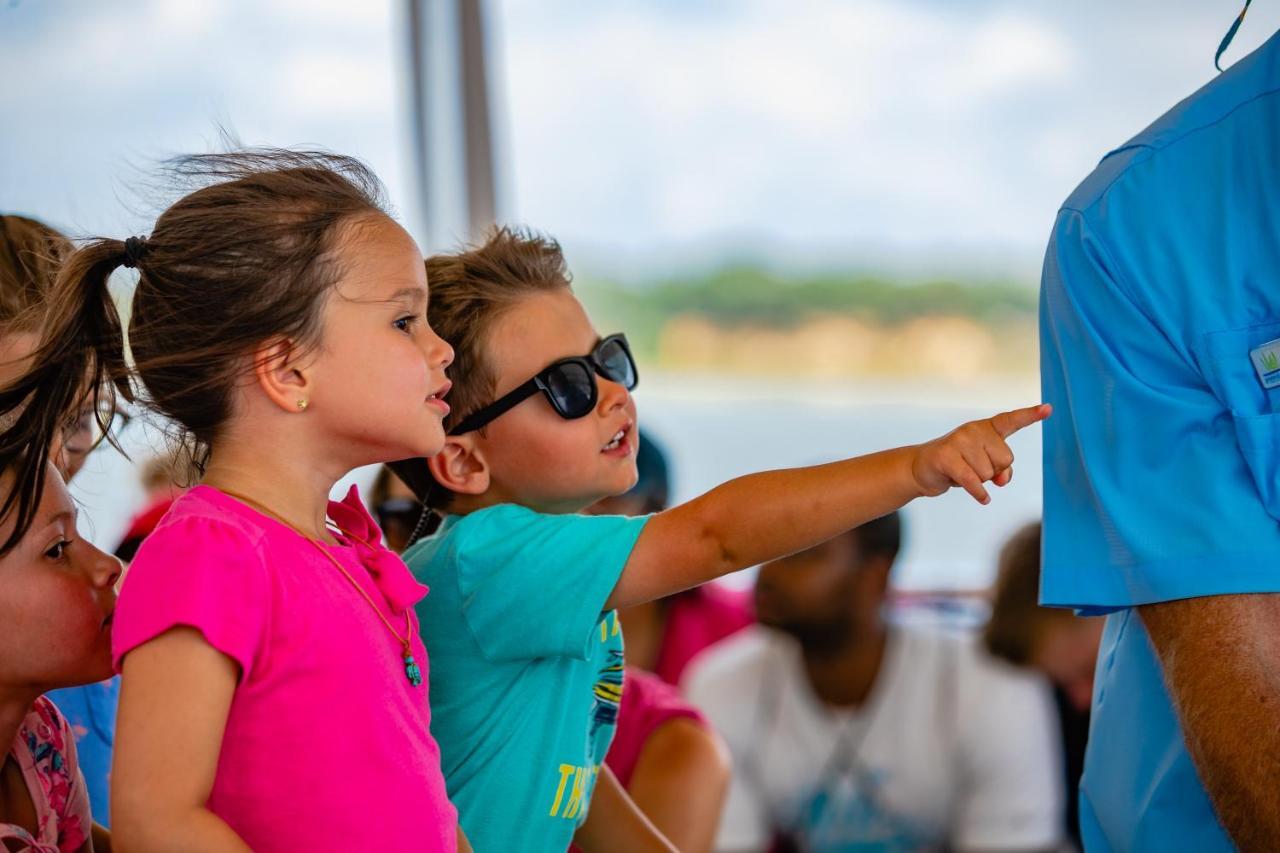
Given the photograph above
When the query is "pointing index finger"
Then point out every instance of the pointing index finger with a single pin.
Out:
(1007, 423)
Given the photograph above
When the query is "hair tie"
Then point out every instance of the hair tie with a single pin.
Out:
(134, 249)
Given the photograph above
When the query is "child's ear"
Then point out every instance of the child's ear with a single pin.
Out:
(460, 466)
(280, 375)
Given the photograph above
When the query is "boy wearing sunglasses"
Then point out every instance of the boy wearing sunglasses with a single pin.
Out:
(526, 650)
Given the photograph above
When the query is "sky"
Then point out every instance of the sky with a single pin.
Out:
(918, 135)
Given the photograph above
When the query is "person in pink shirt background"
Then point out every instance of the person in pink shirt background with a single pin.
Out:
(273, 693)
(663, 636)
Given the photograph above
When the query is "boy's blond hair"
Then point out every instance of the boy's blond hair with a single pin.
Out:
(470, 291)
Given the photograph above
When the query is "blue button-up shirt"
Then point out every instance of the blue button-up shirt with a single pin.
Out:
(1162, 460)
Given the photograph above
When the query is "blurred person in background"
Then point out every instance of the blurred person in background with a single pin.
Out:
(164, 478)
(395, 508)
(848, 733)
(663, 636)
(1057, 643)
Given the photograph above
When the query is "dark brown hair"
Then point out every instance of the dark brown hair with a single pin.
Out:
(1016, 614)
(30, 254)
(246, 256)
(470, 291)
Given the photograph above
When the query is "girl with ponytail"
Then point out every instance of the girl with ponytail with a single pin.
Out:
(273, 678)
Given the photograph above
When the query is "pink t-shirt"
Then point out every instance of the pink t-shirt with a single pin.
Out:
(698, 618)
(327, 745)
(648, 703)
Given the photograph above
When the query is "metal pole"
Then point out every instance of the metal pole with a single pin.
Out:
(477, 126)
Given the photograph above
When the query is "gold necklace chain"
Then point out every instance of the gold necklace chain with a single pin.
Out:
(411, 669)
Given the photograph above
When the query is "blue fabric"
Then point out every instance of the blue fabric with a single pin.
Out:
(525, 666)
(1162, 459)
(91, 712)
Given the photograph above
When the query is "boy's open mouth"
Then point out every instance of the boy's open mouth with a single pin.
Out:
(618, 440)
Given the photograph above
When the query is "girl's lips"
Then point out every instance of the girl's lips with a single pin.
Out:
(436, 398)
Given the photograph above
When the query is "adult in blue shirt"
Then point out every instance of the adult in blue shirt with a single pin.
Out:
(1160, 322)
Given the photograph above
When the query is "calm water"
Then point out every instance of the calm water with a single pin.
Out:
(716, 428)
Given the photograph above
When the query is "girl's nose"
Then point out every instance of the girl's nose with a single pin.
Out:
(439, 352)
(105, 569)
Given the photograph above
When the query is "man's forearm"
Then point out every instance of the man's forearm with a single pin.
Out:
(1219, 657)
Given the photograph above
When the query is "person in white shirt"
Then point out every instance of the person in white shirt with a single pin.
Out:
(848, 733)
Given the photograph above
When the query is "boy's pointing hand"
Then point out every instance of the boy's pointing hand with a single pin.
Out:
(973, 454)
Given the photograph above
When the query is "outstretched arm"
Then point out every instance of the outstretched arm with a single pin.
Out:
(764, 516)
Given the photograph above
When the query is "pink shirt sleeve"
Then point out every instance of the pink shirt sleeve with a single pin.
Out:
(200, 572)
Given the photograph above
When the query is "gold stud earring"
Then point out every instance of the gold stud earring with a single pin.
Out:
(302, 405)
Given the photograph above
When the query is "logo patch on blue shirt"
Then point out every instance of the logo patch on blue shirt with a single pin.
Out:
(1266, 360)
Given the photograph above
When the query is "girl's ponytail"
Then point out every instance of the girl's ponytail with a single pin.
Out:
(244, 257)
(80, 360)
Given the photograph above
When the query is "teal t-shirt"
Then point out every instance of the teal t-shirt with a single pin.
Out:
(525, 666)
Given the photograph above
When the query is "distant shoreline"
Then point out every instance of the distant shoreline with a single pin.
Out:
(693, 385)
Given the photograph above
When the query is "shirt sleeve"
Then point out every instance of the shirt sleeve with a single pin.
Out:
(1012, 797)
(535, 585)
(1161, 474)
(200, 573)
(744, 824)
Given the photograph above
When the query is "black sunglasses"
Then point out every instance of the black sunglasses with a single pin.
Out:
(568, 384)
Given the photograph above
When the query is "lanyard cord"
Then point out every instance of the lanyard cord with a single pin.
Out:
(1231, 34)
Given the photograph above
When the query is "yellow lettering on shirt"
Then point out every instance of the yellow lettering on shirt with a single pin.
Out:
(565, 771)
(579, 792)
(605, 632)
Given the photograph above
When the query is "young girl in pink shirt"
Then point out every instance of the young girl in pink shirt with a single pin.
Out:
(274, 692)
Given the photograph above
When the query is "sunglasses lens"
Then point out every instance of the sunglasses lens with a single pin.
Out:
(572, 388)
(616, 363)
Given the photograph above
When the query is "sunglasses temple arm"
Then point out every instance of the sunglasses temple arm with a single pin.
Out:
(497, 408)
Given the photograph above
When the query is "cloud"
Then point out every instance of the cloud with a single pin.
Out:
(640, 134)
(913, 127)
